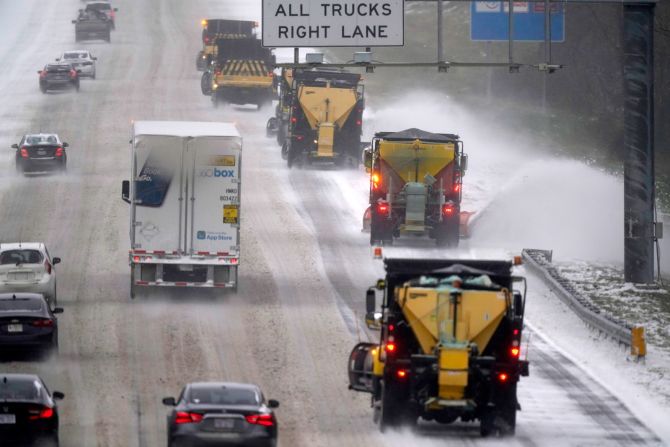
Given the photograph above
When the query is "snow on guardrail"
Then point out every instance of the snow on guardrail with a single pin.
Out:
(617, 329)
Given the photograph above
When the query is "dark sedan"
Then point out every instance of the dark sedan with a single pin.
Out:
(27, 322)
(40, 152)
(28, 411)
(221, 414)
(58, 76)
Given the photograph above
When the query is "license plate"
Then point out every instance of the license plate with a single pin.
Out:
(7, 419)
(224, 424)
(186, 267)
(21, 276)
(14, 328)
(41, 152)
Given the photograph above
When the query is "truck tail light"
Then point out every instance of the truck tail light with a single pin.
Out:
(448, 209)
(390, 347)
(502, 377)
(294, 119)
(359, 122)
(457, 187)
(515, 351)
(376, 180)
(383, 208)
(401, 373)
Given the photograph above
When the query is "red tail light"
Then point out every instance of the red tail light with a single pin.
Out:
(390, 347)
(401, 373)
(294, 119)
(45, 413)
(391, 327)
(359, 122)
(43, 74)
(264, 419)
(43, 322)
(270, 74)
(447, 209)
(217, 72)
(184, 417)
(73, 74)
(457, 187)
(503, 377)
(59, 153)
(206, 40)
(515, 351)
(383, 208)
(24, 152)
(299, 137)
(47, 267)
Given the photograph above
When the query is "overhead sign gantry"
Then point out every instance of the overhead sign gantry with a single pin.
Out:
(337, 23)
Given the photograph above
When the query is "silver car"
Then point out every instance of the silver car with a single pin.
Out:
(28, 267)
(82, 60)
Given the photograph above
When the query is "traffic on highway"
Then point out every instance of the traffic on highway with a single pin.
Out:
(184, 248)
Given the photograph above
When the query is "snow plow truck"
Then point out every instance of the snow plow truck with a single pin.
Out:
(415, 186)
(215, 29)
(241, 74)
(326, 118)
(450, 344)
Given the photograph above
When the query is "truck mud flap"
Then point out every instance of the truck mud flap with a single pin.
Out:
(465, 227)
(360, 367)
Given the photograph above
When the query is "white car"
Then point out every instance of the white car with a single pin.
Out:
(28, 267)
(81, 60)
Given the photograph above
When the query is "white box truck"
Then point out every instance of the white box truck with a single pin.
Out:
(184, 204)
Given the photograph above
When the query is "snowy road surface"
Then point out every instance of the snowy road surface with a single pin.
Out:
(305, 263)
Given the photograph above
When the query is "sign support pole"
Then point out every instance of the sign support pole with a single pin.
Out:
(510, 42)
(638, 74)
(440, 51)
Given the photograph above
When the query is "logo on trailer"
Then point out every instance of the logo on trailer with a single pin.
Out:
(216, 172)
(201, 235)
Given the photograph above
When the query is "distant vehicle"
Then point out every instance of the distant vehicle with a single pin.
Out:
(184, 204)
(40, 152)
(215, 29)
(81, 60)
(104, 7)
(28, 411)
(27, 321)
(220, 413)
(92, 25)
(59, 76)
(28, 267)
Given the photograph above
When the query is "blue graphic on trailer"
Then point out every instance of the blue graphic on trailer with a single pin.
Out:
(489, 21)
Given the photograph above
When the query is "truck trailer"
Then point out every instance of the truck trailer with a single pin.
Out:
(326, 117)
(450, 344)
(415, 186)
(184, 204)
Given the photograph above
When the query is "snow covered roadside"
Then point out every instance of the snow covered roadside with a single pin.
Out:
(642, 387)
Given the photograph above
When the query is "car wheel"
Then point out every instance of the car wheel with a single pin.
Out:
(43, 89)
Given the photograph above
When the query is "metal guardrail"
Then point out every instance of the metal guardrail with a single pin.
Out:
(617, 329)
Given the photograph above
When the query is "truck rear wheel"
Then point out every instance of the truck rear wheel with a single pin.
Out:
(393, 412)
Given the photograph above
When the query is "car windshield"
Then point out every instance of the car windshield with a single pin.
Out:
(21, 304)
(76, 55)
(20, 256)
(221, 395)
(20, 389)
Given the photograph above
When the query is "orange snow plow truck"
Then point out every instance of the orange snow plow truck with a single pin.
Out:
(415, 186)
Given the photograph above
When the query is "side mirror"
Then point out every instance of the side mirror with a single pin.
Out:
(57, 395)
(169, 401)
(381, 284)
(273, 403)
(74, 21)
(367, 158)
(464, 163)
(55, 261)
(370, 301)
(116, 9)
(58, 59)
(58, 310)
(125, 191)
(94, 58)
(15, 146)
(66, 145)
